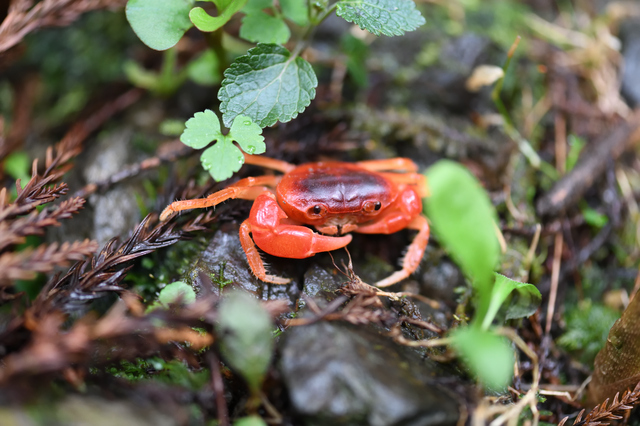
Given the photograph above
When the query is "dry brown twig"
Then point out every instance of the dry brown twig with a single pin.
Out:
(24, 17)
(605, 413)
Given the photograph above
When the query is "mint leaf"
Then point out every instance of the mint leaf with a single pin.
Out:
(226, 9)
(201, 130)
(260, 27)
(488, 356)
(159, 23)
(388, 17)
(246, 338)
(267, 85)
(222, 160)
(296, 11)
(248, 135)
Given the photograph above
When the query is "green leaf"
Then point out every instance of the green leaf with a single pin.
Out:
(248, 135)
(222, 160)
(260, 27)
(204, 70)
(250, 421)
(267, 85)
(159, 23)
(357, 53)
(488, 356)
(201, 130)
(525, 299)
(246, 339)
(256, 5)
(576, 144)
(464, 220)
(207, 23)
(296, 11)
(177, 291)
(388, 17)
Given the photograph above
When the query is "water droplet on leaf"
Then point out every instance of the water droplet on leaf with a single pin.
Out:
(247, 122)
(251, 149)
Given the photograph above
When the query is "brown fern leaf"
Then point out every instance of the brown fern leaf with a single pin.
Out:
(25, 264)
(604, 413)
(86, 280)
(35, 223)
(24, 16)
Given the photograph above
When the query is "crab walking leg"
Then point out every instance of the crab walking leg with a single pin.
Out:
(398, 164)
(415, 180)
(246, 189)
(414, 254)
(269, 163)
(275, 234)
(253, 257)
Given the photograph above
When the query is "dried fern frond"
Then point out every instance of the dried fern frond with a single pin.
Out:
(605, 413)
(24, 16)
(14, 232)
(25, 264)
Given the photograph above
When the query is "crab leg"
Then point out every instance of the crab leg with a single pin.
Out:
(416, 180)
(397, 164)
(277, 235)
(246, 189)
(414, 254)
(269, 163)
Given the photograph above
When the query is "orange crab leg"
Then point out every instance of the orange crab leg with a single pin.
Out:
(416, 180)
(398, 164)
(277, 235)
(269, 163)
(246, 189)
(405, 215)
(415, 251)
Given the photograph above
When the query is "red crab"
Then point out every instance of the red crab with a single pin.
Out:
(370, 197)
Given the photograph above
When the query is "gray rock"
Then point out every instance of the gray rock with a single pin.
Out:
(630, 35)
(339, 374)
(225, 261)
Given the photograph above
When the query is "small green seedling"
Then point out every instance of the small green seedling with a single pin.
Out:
(464, 221)
(224, 157)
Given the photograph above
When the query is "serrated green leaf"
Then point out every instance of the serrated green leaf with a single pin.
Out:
(207, 23)
(464, 219)
(296, 11)
(202, 129)
(260, 27)
(159, 23)
(177, 291)
(246, 339)
(248, 135)
(204, 69)
(488, 356)
(525, 299)
(222, 160)
(388, 17)
(267, 85)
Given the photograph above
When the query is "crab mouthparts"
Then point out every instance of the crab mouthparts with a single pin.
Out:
(338, 225)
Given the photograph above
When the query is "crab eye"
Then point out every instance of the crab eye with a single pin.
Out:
(316, 210)
(371, 206)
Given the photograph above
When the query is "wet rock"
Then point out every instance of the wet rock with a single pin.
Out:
(225, 262)
(339, 374)
(77, 410)
(116, 212)
(321, 284)
(630, 35)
